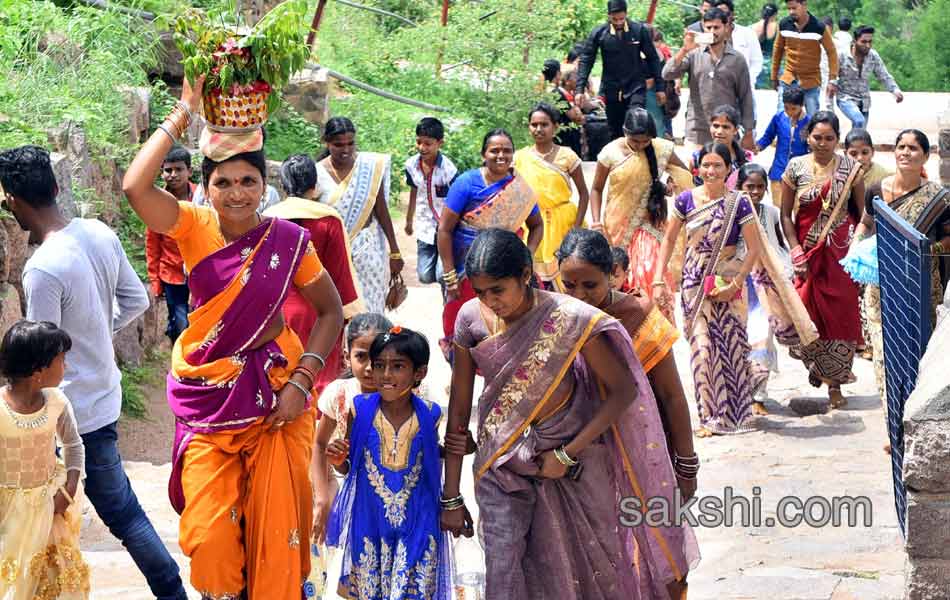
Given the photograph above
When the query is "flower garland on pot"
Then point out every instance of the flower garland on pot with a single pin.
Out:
(244, 67)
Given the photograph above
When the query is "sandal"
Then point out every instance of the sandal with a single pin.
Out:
(758, 408)
(702, 432)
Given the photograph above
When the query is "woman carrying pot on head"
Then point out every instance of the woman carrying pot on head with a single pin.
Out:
(240, 378)
(357, 185)
(492, 195)
(634, 214)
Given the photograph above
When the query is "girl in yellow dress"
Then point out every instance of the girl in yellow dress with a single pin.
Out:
(39, 512)
(549, 169)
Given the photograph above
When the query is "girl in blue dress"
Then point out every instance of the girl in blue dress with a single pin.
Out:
(386, 516)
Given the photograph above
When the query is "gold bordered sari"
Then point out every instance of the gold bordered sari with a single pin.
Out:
(626, 216)
(560, 538)
(551, 181)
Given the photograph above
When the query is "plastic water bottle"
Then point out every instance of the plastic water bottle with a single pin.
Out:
(469, 581)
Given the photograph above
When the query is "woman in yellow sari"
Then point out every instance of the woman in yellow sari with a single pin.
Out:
(549, 169)
(240, 380)
(634, 216)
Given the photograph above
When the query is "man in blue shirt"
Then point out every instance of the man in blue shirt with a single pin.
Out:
(630, 58)
(787, 128)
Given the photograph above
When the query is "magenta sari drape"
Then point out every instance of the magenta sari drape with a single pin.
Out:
(206, 404)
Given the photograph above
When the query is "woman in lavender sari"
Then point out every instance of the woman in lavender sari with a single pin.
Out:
(560, 441)
(240, 380)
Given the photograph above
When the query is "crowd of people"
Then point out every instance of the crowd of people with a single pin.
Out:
(292, 389)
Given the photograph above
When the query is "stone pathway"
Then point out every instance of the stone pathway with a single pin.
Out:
(828, 455)
(836, 454)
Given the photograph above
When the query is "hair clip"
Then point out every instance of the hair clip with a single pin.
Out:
(396, 330)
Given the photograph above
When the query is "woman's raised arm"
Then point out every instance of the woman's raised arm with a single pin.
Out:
(157, 208)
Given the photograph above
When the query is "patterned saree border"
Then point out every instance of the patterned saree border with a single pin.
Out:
(568, 361)
(635, 483)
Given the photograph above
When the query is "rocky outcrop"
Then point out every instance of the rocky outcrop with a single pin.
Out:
(927, 471)
(308, 92)
(142, 335)
(96, 183)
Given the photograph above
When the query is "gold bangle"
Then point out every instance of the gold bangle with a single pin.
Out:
(62, 489)
(395, 256)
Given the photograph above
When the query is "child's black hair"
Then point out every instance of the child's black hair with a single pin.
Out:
(365, 324)
(620, 257)
(29, 347)
(858, 135)
(430, 127)
(406, 342)
(751, 169)
(793, 95)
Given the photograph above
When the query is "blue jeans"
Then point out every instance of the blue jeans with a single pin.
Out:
(108, 488)
(656, 111)
(428, 266)
(176, 298)
(856, 113)
(812, 97)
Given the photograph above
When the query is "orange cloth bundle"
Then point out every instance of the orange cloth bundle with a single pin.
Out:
(220, 146)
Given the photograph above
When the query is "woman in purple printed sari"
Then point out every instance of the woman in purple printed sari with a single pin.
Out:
(715, 304)
(561, 439)
(240, 380)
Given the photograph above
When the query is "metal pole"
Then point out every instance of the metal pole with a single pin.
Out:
(315, 24)
(378, 91)
(378, 11)
(445, 23)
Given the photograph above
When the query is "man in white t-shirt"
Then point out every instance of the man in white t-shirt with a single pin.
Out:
(80, 279)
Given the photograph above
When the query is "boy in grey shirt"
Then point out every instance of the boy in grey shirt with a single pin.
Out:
(80, 279)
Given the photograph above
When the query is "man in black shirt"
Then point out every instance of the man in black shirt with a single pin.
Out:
(630, 58)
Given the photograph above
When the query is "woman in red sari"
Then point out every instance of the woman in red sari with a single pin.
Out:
(298, 175)
(829, 190)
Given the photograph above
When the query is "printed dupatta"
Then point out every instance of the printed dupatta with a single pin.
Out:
(823, 206)
(788, 316)
(218, 381)
(355, 196)
(525, 364)
(506, 204)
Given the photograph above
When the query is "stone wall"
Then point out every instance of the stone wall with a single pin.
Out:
(927, 470)
(89, 186)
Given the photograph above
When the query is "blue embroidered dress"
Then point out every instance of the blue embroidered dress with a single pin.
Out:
(386, 516)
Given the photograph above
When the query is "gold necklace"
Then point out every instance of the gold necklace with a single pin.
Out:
(547, 156)
(33, 421)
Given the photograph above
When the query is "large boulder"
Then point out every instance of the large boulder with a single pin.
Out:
(63, 171)
(145, 333)
(308, 93)
(98, 181)
(13, 249)
(137, 103)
